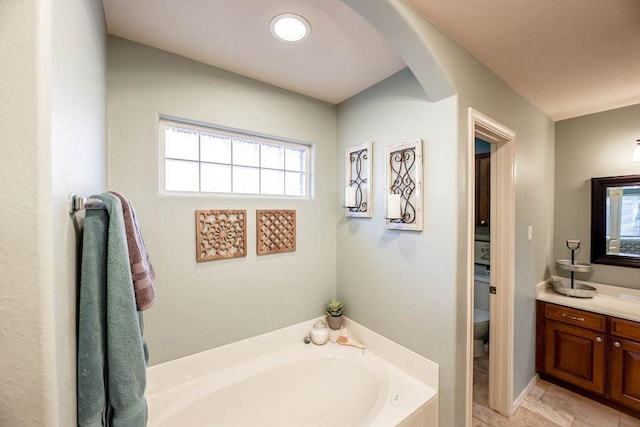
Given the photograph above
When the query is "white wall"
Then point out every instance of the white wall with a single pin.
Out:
(24, 122)
(596, 145)
(52, 110)
(204, 305)
(78, 162)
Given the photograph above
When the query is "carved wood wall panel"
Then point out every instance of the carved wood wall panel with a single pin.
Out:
(276, 231)
(220, 234)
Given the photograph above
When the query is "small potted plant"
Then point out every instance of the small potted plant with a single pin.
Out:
(334, 314)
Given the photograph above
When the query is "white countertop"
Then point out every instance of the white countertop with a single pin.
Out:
(609, 300)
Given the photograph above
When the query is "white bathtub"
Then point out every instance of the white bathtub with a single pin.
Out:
(261, 382)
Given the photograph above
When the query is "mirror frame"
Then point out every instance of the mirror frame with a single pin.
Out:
(599, 188)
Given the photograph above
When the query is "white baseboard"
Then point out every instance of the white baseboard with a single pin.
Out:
(525, 392)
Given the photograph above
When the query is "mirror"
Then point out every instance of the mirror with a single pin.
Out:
(615, 221)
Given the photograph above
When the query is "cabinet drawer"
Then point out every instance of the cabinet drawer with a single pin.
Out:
(625, 329)
(573, 316)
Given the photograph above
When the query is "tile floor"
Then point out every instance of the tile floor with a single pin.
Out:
(545, 405)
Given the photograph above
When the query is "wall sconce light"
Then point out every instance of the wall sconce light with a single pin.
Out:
(357, 180)
(636, 152)
(404, 186)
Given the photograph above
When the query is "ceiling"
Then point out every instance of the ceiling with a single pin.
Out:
(569, 58)
(342, 56)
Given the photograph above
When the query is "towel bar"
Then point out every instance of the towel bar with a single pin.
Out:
(77, 203)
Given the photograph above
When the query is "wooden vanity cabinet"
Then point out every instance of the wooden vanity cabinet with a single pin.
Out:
(575, 347)
(625, 362)
(593, 352)
(483, 189)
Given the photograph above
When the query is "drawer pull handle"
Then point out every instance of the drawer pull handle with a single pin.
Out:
(598, 339)
(616, 344)
(579, 319)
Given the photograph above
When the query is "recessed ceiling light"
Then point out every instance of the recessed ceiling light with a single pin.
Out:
(290, 28)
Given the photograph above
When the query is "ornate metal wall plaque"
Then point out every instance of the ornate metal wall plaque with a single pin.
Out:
(404, 180)
(220, 234)
(276, 231)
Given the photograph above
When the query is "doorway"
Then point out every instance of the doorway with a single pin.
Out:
(502, 260)
(481, 272)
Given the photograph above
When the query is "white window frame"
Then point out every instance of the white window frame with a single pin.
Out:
(164, 122)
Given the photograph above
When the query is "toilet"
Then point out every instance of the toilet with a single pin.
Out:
(480, 313)
(480, 331)
(481, 297)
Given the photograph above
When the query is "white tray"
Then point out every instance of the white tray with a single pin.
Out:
(581, 267)
(579, 290)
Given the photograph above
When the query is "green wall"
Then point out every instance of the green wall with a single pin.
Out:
(596, 145)
(401, 284)
(423, 46)
(205, 305)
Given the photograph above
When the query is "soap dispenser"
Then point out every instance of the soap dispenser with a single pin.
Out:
(320, 333)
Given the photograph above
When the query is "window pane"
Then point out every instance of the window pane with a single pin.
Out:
(295, 159)
(215, 149)
(630, 213)
(272, 156)
(245, 153)
(205, 159)
(180, 175)
(180, 143)
(245, 180)
(295, 184)
(272, 182)
(215, 178)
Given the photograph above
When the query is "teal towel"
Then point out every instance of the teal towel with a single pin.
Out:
(111, 349)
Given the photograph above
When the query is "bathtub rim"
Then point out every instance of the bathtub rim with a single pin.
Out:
(172, 373)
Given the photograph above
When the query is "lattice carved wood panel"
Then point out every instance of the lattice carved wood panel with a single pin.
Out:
(276, 231)
(220, 234)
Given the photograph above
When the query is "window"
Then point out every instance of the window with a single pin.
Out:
(623, 220)
(199, 159)
(630, 212)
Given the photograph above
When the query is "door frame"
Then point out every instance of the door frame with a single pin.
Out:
(502, 259)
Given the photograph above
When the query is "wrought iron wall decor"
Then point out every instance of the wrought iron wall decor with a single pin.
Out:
(357, 180)
(220, 234)
(276, 231)
(404, 179)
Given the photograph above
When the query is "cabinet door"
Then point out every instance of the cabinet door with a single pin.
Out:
(483, 189)
(575, 355)
(625, 372)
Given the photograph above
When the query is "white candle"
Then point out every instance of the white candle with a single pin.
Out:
(393, 206)
(349, 197)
